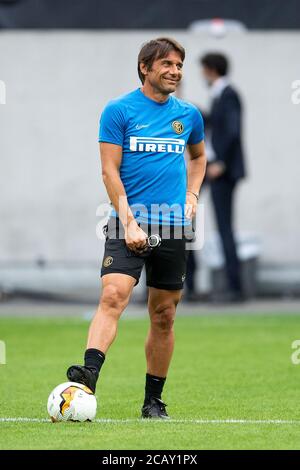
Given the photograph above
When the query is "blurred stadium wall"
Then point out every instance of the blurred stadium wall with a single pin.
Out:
(57, 83)
(139, 14)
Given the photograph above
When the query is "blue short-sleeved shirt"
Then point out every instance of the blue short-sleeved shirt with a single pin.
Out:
(153, 137)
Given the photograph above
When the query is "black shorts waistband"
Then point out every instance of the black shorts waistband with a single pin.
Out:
(114, 229)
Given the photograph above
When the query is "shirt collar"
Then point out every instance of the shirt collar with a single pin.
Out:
(218, 86)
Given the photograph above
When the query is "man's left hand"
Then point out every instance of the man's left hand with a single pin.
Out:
(190, 205)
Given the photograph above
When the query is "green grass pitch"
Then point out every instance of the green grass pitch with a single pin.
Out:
(224, 367)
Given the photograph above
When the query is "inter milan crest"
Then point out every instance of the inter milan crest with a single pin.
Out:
(178, 127)
(108, 261)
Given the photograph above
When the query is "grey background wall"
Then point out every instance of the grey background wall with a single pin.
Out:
(57, 84)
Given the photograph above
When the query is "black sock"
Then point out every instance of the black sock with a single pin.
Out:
(94, 359)
(154, 387)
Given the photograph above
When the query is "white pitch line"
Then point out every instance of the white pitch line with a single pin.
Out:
(24, 420)
(178, 421)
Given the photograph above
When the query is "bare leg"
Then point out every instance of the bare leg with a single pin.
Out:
(160, 340)
(116, 292)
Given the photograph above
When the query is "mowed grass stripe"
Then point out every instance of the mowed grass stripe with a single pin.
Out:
(166, 421)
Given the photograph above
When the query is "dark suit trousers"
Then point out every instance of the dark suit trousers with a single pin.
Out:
(190, 272)
(222, 192)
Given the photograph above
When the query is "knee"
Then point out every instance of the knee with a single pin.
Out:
(114, 298)
(163, 316)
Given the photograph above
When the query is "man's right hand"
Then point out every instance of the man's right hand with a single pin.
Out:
(214, 170)
(135, 237)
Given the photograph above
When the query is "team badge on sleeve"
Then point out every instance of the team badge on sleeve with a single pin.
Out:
(177, 127)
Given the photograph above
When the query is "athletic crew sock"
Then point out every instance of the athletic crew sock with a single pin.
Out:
(154, 387)
(94, 359)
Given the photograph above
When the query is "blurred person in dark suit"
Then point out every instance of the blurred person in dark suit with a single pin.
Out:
(225, 159)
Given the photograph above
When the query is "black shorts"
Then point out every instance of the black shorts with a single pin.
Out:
(165, 265)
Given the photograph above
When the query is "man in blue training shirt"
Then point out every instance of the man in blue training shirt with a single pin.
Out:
(143, 136)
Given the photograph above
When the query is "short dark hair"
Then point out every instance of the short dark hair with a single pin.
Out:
(157, 49)
(215, 61)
